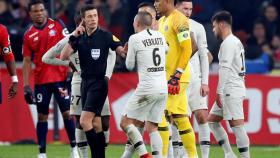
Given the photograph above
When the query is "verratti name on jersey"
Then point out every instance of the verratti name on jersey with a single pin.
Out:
(152, 41)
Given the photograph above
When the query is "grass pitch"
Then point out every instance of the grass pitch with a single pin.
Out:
(115, 151)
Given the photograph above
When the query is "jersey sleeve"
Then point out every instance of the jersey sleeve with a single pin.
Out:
(227, 54)
(201, 40)
(203, 54)
(50, 57)
(63, 31)
(111, 60)
(181, 28)
(131, 54)
(114, 42)
(5, 45)
(26, 51)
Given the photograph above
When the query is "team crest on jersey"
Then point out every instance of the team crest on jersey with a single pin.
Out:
(95, 54)
(52, 32)
(165, 28)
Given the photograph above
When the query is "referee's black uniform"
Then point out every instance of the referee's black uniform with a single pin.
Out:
(93, 53)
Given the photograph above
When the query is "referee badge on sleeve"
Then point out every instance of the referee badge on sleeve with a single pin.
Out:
(95, 54)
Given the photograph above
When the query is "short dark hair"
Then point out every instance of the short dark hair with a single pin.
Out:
(34, 2)
(181, 1)
(146, 4)
(144, 18)
(86, 8)
(222, 16)
(77, 18)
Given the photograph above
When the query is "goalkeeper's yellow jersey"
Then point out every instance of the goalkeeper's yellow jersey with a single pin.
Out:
(175, 29)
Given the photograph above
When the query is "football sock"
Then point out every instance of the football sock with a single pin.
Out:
(136, 139)
(204, 139)
(70, 129)
(156, 144)
(164, 133)
(220, 136)
(187, 135)
(242, 141)
(41, 130)
(107, 136)
(81, 143)
(175, 142)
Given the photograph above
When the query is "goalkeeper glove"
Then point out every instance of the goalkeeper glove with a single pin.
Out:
(28, 95)
(174, 83)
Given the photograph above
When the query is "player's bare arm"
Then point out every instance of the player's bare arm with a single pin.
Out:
(11, 66)
(26, 70)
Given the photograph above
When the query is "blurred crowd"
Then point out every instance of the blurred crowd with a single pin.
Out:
(255, 22)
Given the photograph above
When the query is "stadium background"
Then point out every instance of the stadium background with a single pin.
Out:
(255, 22)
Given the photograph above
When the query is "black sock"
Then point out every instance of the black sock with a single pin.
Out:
(41, 130)
(91, 139)
(100, 143)
(70, 129)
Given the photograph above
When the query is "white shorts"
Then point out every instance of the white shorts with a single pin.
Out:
(106, 108)
(146, 107)
(195, 100)
(232, 108)
(76, 103)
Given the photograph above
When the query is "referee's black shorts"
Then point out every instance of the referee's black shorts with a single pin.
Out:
(94, 93)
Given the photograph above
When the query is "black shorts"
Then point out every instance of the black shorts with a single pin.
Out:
(94, 93)
(43, 94)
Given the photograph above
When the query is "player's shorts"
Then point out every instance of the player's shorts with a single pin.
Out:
(94, 93)
(232, 108)
(76, 103)
(195, 100)
(146, 107)
(43, 94)
(177, 104)
(106, 108)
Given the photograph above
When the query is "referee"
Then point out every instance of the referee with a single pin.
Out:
(93, 45)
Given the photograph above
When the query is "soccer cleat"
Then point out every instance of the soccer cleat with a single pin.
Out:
(75, 153)
(146, 156)
(230, 155)
(42, 155)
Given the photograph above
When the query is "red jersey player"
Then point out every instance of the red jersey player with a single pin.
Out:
(49, 79)
(6, 52)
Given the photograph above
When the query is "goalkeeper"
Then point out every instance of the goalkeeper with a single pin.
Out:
(174, 25)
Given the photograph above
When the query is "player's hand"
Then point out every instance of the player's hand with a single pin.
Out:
(63, 92)
(219, 100)
(13, 90)
(28, 95)
(204, 90)
(174, 83)
(124, 50)
(79, 30)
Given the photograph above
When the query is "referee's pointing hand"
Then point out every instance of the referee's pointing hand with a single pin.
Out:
(80, 29)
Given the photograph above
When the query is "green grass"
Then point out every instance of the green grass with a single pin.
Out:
(115, 151)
